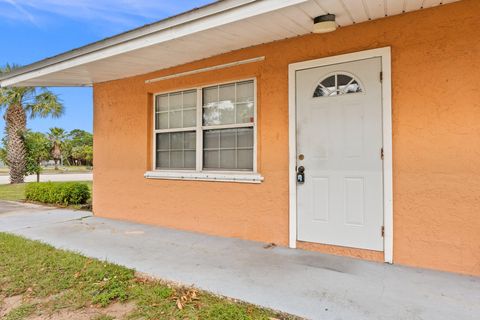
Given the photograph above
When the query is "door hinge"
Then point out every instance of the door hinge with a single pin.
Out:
(383, 231)
(381, 154)
(381, 76)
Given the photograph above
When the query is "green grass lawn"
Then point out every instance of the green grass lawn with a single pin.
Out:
(4, 171)
(67, 169)
(12, 192)
(16, 192)
(55, 284)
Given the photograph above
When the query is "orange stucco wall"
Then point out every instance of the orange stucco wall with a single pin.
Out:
(436, 141)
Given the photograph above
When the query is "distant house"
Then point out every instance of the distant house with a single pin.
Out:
(237, 120)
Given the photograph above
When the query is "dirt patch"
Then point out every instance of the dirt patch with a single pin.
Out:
(116, 310)
(9, 303)
(119, 310)
(82, 314)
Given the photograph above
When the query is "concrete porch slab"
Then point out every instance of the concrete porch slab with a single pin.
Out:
(308, 284)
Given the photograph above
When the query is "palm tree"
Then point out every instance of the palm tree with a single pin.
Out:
(19, 103)
(57, 137)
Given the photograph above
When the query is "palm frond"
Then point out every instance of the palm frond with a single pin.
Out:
(45, 104)
(14, 95)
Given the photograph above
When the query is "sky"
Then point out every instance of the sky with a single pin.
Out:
(36, 29)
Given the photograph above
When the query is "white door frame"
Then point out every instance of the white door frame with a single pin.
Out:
(384, 54)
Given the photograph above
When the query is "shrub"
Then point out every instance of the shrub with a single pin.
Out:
(63, 193)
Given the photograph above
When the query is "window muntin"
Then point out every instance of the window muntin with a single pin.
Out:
(228, 149)
(176, 110)
(176, 150)
(225, 128)
(337, 84)
(228, 104)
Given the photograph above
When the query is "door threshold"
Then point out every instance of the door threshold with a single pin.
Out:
(363, 254)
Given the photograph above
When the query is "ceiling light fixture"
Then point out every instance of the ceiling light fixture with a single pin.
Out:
(325, 23)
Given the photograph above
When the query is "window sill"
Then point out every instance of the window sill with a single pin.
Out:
(205, 176)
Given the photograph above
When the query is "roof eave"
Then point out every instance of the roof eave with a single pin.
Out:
(196, 14)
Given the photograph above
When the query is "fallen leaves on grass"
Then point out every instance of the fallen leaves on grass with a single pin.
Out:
(185, 296)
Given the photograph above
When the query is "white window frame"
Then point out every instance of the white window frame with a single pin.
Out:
(199, 173)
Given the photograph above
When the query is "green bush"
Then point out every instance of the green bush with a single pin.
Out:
(63, 193)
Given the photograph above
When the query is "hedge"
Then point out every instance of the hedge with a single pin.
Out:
(62, 193)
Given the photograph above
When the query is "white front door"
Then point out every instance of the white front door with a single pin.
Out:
(339, 145)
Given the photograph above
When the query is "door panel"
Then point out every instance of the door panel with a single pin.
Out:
(320, 199)
(339, 132)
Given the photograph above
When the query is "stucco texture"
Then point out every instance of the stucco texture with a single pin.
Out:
(436, 145)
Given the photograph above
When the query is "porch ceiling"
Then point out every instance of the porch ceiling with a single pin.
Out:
(214, 29)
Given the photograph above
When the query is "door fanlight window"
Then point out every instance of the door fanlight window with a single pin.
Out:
(337, 84)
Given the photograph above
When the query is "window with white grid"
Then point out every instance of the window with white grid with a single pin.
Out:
(206, 129)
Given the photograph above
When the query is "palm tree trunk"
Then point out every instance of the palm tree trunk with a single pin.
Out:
(16, 125)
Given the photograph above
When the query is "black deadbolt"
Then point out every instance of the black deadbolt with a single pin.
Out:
(301, 174)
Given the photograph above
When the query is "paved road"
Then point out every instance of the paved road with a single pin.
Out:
(309, 284)
(53, 177)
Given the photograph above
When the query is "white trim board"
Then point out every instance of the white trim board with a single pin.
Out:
(217, 67)
(385, 55)
(205, 176)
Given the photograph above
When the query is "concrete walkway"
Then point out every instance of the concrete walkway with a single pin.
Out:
(304, 283)
(5, 179)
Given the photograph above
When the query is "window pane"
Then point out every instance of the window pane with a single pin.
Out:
(189, 118)
(219, 113)
(228, 149)
(163, 142)
(227, 93)
(343, 79)
(210, 160)
(321, 91)
(190, 159)
(157, 120)
(175, 119)
(245, 138)
(163, 159)
(176, 141)
(227, 138)
(353, 87)
(329, 83)
(169, 107)
(190, 140)
(245, 159)
(245, 112)
(245, 91)
(210, 95)
(176, 159)
(162, 103)
(227, 159)
(162, 120)
(190, 99)
(175, 101)
(176, 150)
(211, 139)
(210, 114)
(226, 112)
(228, 104)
